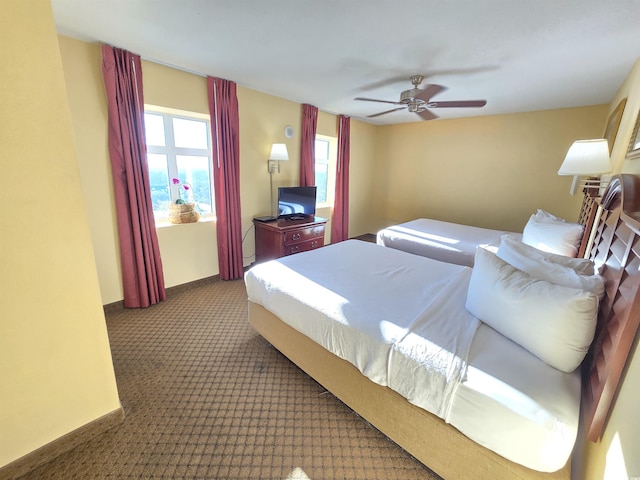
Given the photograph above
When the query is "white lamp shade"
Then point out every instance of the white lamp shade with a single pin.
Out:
(279, 152)
(587, 157)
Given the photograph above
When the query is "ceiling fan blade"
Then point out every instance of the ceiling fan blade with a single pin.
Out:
(427, 115)
(459, 103)
(376, 100)
(383, 113)
(430, 91)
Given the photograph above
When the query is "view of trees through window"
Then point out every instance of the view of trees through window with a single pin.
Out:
(326, 149)
(178, 147)
(322, 170)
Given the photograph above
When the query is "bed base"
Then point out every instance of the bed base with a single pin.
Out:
(430, 440)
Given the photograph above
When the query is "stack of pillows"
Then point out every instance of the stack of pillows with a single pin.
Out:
(537, 294)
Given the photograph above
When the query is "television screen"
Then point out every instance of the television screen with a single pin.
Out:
(296, 202)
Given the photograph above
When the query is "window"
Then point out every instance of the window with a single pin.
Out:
(325, 150)
(178, 146)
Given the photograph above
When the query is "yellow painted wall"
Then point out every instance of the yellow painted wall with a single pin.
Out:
(82, 63)
(630, 90)
(189, 252)
(491, 171)
(362, 217)
(616, 456)
(55, 363)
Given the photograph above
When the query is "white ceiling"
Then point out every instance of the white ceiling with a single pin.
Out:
(519, 55)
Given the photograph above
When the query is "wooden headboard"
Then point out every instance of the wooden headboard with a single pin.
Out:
(616, 252)
(587, 218)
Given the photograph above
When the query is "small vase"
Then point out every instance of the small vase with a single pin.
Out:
(183, 213)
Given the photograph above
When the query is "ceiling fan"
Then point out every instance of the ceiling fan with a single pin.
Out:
(418, 100)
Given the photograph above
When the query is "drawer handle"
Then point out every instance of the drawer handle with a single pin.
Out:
(295, 249)
(314, 244)
(296, 236)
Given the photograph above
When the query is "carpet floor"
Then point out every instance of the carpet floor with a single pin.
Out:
(206, 397)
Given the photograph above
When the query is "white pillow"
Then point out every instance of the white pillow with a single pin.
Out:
(511, 243)
(542, 266)
(555, 236)
(544, 216)
(553, 322)
(551, 272)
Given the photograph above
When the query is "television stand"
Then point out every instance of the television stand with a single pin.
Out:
(286, 236)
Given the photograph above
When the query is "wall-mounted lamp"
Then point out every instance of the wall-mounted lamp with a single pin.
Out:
(278, 154)
(587, 158)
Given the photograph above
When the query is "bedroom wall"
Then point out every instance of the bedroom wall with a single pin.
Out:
(55, 361)
(630, 89)
(489, 171)
(615, 456)
(189, 251)
(82, 66)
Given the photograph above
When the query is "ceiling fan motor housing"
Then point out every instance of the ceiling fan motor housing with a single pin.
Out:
(409, 96)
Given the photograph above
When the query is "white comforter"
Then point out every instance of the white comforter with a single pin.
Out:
(356, 308)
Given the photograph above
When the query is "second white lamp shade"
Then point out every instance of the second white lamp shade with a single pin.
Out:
(587, 157)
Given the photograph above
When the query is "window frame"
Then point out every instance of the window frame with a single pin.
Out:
(331, 169)
(172, 152)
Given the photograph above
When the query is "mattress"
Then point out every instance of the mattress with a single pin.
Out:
(400, 319)
(444, 241)
(515, 404)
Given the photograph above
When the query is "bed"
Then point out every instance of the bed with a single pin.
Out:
(457, 243)
(445, 241)
(446, 432)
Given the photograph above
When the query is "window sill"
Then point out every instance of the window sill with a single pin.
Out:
(167, 223)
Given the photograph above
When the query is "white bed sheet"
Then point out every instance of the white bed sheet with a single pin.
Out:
(515, 404)
(348, 294)
(444, 241)
(439, 341)
(384, 301)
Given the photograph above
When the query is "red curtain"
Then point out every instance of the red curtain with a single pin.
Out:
(340, 221)
(225, 128)
(142, 277)
(308, 145)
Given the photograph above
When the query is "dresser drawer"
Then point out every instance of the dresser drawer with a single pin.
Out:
(303, 235)
(304, 246)
(282, 237)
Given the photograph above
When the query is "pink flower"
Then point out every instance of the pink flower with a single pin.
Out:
(187, 188)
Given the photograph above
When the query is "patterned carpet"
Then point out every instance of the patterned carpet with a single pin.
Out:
(205, 397)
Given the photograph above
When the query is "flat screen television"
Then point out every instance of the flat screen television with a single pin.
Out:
(296, 202)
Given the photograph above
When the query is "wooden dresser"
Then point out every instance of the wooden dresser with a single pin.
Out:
(282, 237)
